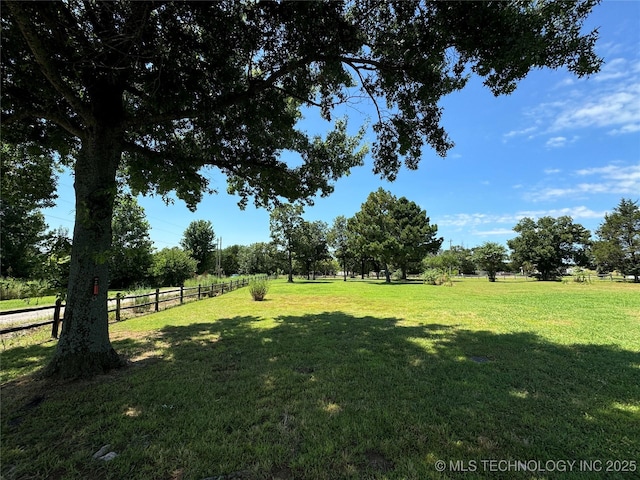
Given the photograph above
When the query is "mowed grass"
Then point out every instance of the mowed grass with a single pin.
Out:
(332, 380)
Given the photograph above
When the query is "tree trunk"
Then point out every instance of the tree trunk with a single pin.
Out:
(290, 262)
(84, 348)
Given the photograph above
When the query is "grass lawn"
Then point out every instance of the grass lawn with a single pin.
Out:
(333, 380)
(20, 303)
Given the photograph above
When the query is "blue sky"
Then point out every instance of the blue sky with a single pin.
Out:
(558, 145)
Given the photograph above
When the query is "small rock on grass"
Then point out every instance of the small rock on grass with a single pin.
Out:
(104, 454)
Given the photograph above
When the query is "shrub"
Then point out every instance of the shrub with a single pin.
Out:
(172, 266)
(11, 288)
(397, 274)
(435, 276)
(258, 287)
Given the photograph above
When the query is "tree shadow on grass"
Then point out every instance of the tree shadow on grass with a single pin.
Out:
(25, 358)
(337, 396)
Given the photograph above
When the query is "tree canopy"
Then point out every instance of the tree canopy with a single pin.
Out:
(172, 266)
(550, 244)
(490, 257)
(338, 239)
(311, 245)
(131, 255)
(27, 184)
(161, 90)
(285, 224)
(618, 247)
(199, 241)
(394, 231)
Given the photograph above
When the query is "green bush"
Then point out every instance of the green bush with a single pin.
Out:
(258, 287)
(435, 276)
(11, 288)
(172, 266)
(397, 274)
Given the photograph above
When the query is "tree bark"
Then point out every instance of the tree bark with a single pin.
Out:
(290, 264)
(84, 348)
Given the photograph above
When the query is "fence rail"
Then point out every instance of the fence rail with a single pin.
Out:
(131, 302)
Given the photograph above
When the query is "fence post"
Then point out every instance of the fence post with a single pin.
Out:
(56, 318)
(157, 298)
(118, 307)
(181, 294)
(199, 291)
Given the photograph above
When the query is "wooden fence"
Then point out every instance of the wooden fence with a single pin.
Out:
(144, 303)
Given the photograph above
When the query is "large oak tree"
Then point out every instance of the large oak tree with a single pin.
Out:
(163, 89)
(550, 245)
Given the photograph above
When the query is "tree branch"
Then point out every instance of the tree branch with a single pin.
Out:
(43, 58)
(357, 70)
(255, 87)
(302, 99)
(61, 121)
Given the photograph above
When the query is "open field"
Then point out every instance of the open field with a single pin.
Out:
(329, 379)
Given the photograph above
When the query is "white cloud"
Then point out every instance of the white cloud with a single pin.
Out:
(552, 171)
(610, 179)
(475, 220)
(610, 171)
(610, 48)
(620, 109)
(519, 133)
(463, 219)
(613, 70)
(576, 213)
(497, 231)
(556, 142)
(566, 82)
(610, 100)
(629, 128)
